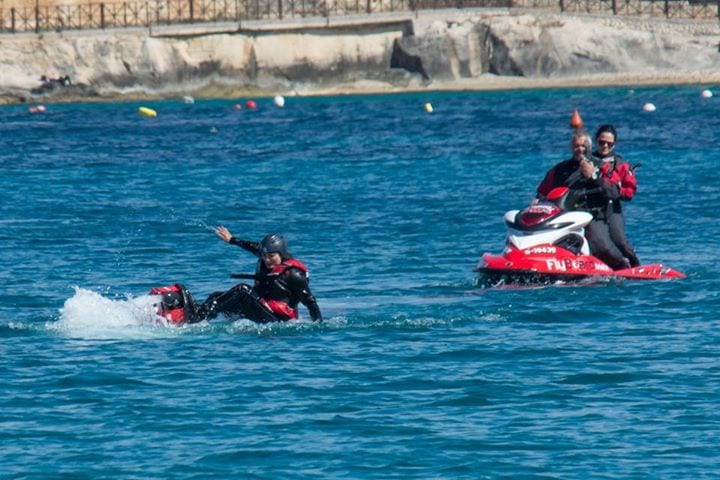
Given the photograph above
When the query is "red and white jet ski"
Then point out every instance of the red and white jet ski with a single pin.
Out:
(546, 244)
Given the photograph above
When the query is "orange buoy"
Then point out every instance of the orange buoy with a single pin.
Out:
(575, 120)
(251, 104)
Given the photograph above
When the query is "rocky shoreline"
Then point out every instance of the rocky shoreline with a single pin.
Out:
(483, 49)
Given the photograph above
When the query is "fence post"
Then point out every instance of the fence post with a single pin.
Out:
(192, 11)
(37, 16)
(666, 8)
(12, 19)
(614, 7)
(368, 7)
(102, 16)
(280, 8)
(562, 5)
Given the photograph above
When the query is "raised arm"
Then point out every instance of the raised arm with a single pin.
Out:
(226, 236)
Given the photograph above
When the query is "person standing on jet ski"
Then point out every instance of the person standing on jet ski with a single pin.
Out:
(579, 172)
(281, 282)
(621, 185)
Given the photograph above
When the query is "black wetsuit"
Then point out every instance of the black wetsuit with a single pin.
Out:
(274, 296)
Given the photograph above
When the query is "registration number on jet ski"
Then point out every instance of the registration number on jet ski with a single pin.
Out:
(536, 250)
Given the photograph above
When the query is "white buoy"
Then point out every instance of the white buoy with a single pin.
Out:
(706, 94)
(428, 107)
(188, 99)
(279, 101)
(649, 107)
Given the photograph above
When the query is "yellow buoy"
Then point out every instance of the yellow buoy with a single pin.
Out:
(428, 107)
(147, 112)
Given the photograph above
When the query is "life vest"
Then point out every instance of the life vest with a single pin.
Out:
(618, 172)
(289, 263)
(275, 293)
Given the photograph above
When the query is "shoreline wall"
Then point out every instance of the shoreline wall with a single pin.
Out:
(484, 48)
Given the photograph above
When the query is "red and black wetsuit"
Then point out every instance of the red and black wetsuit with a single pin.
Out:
(564, 174)
(619, 185)
(274, 296)
(608, 186)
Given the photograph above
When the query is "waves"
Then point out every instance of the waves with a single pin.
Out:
(415, 372)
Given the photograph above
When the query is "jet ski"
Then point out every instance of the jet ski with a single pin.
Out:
(546, 244)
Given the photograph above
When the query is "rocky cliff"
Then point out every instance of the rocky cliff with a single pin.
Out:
(430, 50)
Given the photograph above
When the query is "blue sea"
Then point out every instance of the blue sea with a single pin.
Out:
(416, 372)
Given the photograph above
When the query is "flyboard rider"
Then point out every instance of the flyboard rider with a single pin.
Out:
(280, 284)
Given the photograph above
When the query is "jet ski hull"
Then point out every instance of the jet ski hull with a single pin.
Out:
(546, 244)
(547, 265)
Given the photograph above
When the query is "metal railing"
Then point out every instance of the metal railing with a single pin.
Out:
(147, 13)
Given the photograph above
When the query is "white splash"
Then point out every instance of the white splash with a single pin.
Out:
(88, 314)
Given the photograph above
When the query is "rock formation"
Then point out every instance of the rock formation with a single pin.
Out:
(430, 50)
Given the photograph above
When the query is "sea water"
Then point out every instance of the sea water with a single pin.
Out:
(415, 372)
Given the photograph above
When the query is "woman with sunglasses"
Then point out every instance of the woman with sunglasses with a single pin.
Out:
(281, 282)
(619, 186)
(580, 172)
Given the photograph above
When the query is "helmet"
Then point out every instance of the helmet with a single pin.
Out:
(606, 128)
(274, 243)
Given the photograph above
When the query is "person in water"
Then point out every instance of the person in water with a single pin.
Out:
(622, 187)
(281, 283)
(579, 172)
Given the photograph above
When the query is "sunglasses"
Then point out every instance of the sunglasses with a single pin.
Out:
(606, 143)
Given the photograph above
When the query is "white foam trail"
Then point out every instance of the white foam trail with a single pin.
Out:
(88, 314)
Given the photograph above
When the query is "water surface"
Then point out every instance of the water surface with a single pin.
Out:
(415, 373)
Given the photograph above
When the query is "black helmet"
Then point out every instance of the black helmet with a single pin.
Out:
(274, 243)
(606, 128)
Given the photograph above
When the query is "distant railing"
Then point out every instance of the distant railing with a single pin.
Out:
(147, 13)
